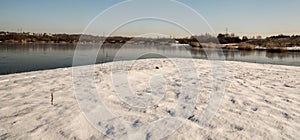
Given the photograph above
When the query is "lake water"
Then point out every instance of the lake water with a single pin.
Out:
(31, 57)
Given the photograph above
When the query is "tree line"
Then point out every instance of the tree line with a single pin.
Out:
(279, 40)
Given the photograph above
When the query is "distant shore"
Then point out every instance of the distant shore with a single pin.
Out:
(280, 43)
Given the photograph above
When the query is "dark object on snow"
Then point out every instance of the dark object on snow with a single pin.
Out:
(51, 98)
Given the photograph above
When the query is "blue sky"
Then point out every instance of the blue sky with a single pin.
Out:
(243, 17)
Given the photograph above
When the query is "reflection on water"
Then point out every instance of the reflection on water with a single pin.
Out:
(30, 57)
(258, 56)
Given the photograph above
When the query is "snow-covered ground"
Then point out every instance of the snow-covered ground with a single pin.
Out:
(260, 101)
(296, 48)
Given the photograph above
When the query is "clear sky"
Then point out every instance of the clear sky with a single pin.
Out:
(243, 17)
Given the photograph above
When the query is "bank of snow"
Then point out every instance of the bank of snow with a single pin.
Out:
(261, 101)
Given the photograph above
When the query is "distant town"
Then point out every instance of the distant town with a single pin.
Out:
(229, 41)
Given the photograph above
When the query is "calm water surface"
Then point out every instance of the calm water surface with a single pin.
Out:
(31, 57)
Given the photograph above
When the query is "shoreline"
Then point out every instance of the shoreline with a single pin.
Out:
(110, 62)
(70, 67)
(260, 101)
